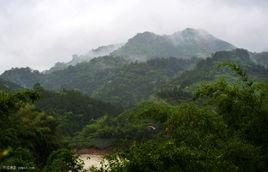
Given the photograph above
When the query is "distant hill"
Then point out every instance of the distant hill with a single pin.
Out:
(24, 77)
(260, 58)
(206, 69)
(100, 51)
(185, 44)
(125, 83)
(182, 86)
(7, 85)
(110, 79)
(116, 80)
(147, 45)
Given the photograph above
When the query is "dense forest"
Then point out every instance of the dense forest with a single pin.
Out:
(156, 114)
(224, 126)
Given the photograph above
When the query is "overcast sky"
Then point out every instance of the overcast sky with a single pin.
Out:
(38, 33)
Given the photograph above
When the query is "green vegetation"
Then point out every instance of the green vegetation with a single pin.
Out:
(31, 139)
(110, 79)
(63, 160)
(25, 132)
(136, 82)
(24, 77)
(225, 130)
(73, 109)
(132, 125)
(165, 114)
(182, 87)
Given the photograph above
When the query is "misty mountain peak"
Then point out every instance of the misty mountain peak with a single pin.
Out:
(143, 37)
(193, 31)
(148, 45)
(190, 31)
(97, 52)
(183, 44)
(195, 34)
(146, 34)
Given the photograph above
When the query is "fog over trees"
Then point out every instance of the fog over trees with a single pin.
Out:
(134, 86)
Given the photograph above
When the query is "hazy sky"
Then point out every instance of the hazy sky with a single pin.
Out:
(38, 33)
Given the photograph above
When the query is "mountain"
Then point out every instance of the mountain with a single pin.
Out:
(125, 83)
(7, 85)
(206, 69)
(116, 80)
(108, 78)
(147, 45)
(181, 87)
(100, 51)
(260, 58)
(24, 77)
(185, 44)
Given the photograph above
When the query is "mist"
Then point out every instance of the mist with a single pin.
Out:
(39, 33)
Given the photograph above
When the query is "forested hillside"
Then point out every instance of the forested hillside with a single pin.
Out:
(111, 79)
(223, 126)
(25, 77)
(261, 58)
(125, 83)
(7, 85)
(182, 87)
(73, 109)
(134, 86)
(163, 114)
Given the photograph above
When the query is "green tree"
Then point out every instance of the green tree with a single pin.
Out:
(63, 160)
